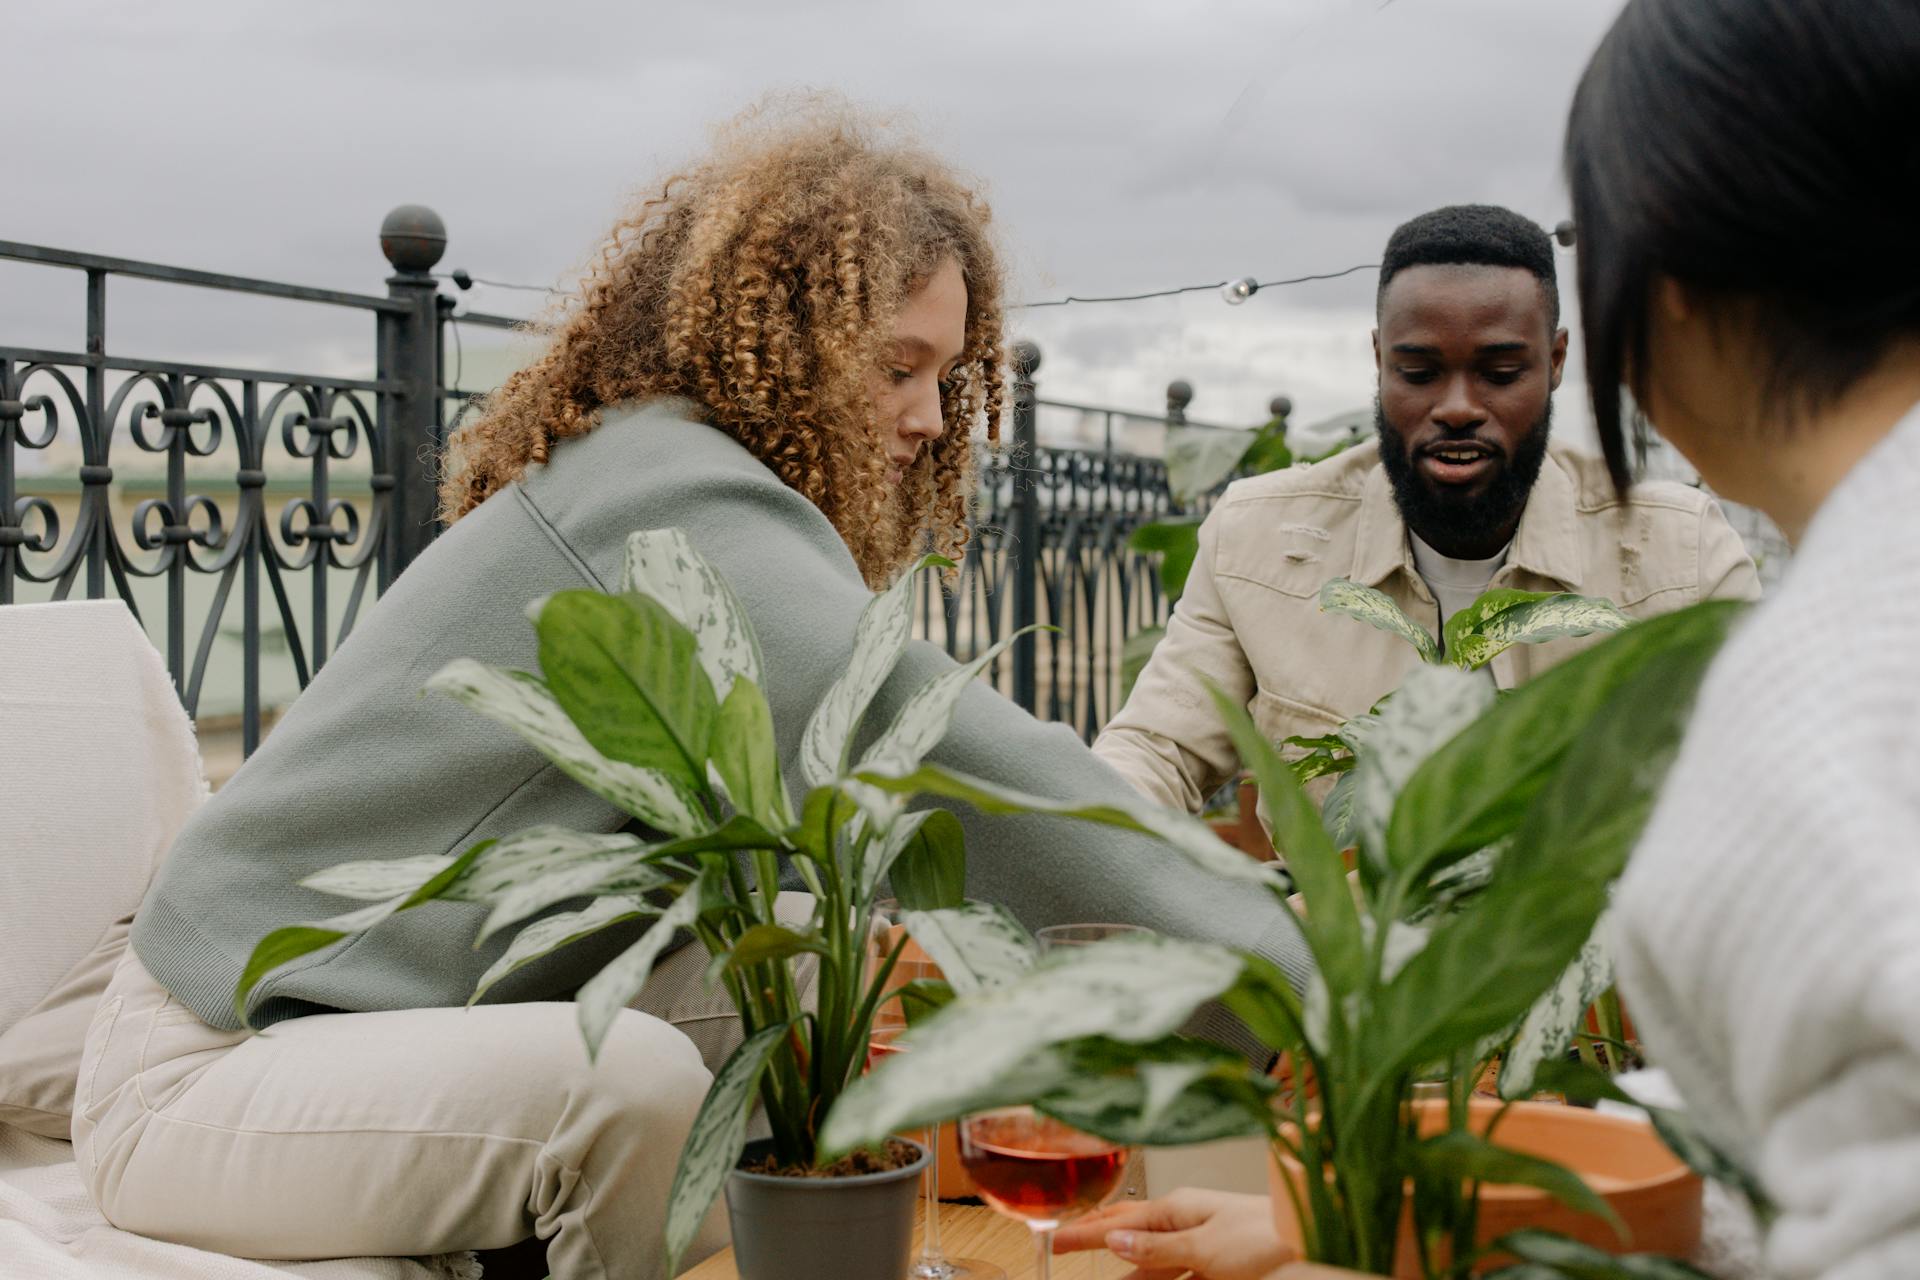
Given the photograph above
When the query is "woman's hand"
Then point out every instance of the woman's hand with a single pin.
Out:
(1216, 1235)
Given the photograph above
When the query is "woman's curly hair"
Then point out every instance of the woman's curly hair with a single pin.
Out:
(760, 285)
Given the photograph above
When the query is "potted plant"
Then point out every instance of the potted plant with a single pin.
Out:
(1582, 1010)
(1488, 831)
(651, 698)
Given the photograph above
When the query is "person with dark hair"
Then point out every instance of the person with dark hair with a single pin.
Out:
(1464, 492)
(1745, 175)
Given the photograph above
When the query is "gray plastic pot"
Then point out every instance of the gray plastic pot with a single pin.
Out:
(857, 1228)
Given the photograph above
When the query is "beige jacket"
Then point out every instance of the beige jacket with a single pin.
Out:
(1250, 620)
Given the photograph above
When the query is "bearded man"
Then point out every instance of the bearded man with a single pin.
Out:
(1465, 492)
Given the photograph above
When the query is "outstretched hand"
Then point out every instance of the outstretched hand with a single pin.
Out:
(1216, 1235)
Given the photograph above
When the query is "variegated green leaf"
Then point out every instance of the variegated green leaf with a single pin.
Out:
(1340, 814)
(714, 1144)
(1199, 458)
(926, 715)
(1187, 834)
(878, 640)
(1131, 989)
(523, 704)
(977, 945)
(628, 676)
(548, 935)
(1433, 705)
(1161, 1104)
(614, 987)
(1377, 609)
(1549, 1027)
(746, 756)
(1501, 619)
(663, 564)
(376, 881)
(525, 873)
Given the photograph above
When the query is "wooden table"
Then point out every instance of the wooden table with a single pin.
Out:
(970, 1231)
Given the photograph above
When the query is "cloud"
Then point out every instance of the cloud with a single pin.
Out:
(1125, 145)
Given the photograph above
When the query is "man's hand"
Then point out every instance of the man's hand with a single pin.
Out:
(1215, 1235)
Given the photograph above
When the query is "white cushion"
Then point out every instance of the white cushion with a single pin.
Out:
(101, 771)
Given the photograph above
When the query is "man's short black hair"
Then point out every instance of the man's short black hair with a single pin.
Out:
(1477, 235)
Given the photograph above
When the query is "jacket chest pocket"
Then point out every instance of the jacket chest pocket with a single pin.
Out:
(1279, 718)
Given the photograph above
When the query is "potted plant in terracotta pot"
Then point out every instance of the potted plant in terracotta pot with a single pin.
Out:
(1489, 832)
(650, 697)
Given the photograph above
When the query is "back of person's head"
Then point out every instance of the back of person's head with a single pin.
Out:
(1473, 235)
(760, 284)
(1765, 156)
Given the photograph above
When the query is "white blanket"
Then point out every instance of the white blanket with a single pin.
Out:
(49, 1230)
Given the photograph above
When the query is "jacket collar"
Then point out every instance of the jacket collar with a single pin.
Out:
(1546, 543)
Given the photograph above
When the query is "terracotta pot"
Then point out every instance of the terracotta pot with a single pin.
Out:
(1620, 1157)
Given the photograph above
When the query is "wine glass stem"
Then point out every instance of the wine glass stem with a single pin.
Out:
(930, 1240)
(1043, 1264)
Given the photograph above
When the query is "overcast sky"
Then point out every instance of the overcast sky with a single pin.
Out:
(1125, 147)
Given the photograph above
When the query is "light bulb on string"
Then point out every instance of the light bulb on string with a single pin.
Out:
(1238, 291)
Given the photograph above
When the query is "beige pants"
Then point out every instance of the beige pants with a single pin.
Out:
(407, 1133)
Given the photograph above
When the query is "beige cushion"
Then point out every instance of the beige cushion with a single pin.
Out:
(103, 775)
(40, 1054)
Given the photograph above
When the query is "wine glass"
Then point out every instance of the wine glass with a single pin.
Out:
(889, 1021)
(1034, 1168)
(1057, 937)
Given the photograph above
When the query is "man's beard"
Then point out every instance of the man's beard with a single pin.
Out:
(1455, 523)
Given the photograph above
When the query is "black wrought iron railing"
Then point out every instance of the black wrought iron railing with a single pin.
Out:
(250, 516)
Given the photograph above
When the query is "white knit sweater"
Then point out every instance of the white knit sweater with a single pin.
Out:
(1769, 926)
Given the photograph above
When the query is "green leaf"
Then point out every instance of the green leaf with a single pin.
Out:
(614, 987)
(1428, 709)
(290, 943)
(1198, 459)
(930, 872)
(878, 640)
(1377, 609)
(1461, 1156)
(977, 945)
(379, 880)
(714, 1144)
(1474, 789)
(747, 757)
(662, 563)
(1486, 965)
(527, 872)
(766, 942)
(1265, 1000)
(550, 933)
(1501, 619)
(1556, 1016)
(920, 998)
(924, 718)
(629, 677)
(1340, 813)
(1705, 1158)
(1268, 453)
(1573, 1260)
(523, 703)
(1178, 540)
(1163, 1104)
(1135, 652)
(1187, 834)
(1332, 926)
(1133, 989)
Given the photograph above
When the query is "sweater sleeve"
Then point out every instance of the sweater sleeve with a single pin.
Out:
(803, 596)
(1768, 928)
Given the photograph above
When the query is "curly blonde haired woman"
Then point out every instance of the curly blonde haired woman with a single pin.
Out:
(786, 352)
